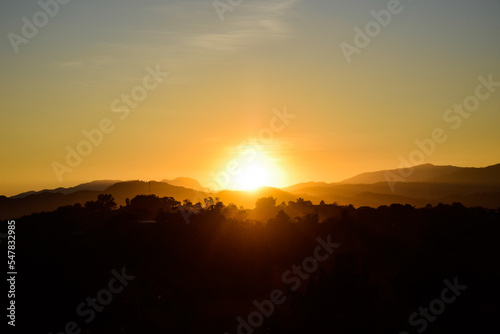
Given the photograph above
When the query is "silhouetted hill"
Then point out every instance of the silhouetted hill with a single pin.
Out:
(486, 175)
(434, 174)
(306, 185)
(413, 193)
(247, 199)
(11, 208)
(428, 184)
(186, 182)
(14, 207)
(421, 173)
(130, 189)
(368, 269)
(94, 185)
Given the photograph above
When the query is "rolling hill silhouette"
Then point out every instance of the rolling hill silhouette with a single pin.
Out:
(428, 184)
(247, 199)
(12, 207)
(435, 174)
(94, 185)
(187, 182)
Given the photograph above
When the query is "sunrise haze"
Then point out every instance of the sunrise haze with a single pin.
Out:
(267, 95)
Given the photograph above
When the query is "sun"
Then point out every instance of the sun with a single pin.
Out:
(257, 171)
(252, 177)
(252, 168)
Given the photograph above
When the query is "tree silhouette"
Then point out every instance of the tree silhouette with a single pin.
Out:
(104, 203)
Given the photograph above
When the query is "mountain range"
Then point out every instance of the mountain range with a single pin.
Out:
(427, 184)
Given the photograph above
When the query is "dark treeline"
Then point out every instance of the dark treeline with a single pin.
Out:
(198, 267)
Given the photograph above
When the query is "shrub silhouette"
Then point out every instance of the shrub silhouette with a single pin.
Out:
(202, 276)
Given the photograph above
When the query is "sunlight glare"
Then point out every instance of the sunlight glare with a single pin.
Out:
(252, 177)
(255, 170)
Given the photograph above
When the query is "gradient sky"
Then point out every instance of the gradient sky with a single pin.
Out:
(226, 78)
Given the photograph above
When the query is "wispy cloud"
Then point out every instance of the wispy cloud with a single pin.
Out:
(180, 33)
(93, 63)
(249, 24)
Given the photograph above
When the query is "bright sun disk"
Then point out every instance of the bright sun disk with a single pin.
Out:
(252, 177)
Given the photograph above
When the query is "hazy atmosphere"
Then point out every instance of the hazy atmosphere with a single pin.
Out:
(356, 106)
(250, 166)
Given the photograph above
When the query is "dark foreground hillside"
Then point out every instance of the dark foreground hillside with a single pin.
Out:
(150, 267)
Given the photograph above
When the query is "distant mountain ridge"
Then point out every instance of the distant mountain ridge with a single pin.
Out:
(434, 174)
(428, 184)
(186, 182)
(94, 185)
(13, 207)
(100, 185)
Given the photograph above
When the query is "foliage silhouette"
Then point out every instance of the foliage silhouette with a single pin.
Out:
(201, 276)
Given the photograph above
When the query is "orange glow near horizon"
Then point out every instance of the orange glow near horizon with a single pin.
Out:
(253, 168)
(252, 177)
(259, 172)
(180, 95)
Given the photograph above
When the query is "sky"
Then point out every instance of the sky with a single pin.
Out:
(230, 93)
